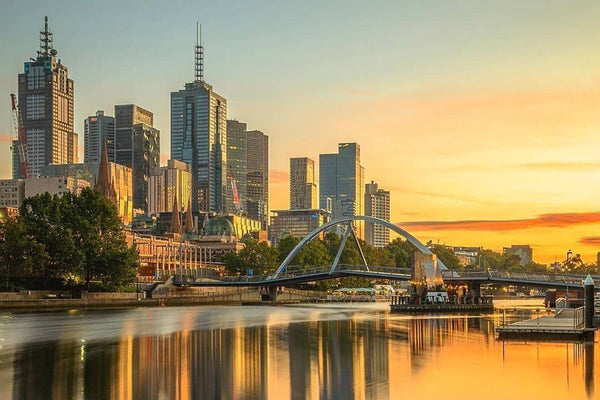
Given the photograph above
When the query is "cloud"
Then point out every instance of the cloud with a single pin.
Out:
(556, 220)
(466, 199)
(277, 176)
(562, 166)
(590, 240)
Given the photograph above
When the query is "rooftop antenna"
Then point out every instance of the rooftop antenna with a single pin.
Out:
(45, 41)
(199, 55)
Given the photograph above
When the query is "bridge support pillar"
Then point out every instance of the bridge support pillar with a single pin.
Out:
(475, 292)
(269, 293)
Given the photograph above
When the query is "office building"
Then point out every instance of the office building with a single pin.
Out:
(257, 179)
(236, 165)
(377, 204)
(12, 192)
(522, 250)
(137, 146)
(297, 223)
(166, 183)
(119, 178)
(341, 182)
(199, 138)
(46, 104)
(98, 131)
(303, 188)
(54, 185)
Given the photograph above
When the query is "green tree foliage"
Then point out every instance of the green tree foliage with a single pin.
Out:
(285, 246)
(258, 256)
(447, 256)
(400, 251)
(72, 238)
(314, 253)
(19, 252)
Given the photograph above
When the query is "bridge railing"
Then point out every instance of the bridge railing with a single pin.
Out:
(375, 268)
(571, 279)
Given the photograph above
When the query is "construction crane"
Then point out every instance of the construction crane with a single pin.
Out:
(19, 132)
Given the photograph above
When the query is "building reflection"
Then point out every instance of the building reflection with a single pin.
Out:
(349, 359)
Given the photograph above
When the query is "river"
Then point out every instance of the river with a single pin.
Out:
(357, 351)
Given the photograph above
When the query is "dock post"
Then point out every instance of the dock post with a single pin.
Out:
(588, 289)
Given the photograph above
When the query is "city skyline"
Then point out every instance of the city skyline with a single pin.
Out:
(485, 116)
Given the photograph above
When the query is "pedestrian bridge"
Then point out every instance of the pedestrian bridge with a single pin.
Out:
(288, 274)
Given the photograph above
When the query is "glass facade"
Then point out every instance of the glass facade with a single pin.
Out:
(341, 179)
(198, 138)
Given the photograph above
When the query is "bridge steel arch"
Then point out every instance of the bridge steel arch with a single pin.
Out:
(348, 220)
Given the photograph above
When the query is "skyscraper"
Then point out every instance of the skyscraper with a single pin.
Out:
(341, 179)
(199, 138)
(303, 189)
(377, 204)
(137, 145)
(98, 131)
(46, 104)
(236, 164)
(257, 180)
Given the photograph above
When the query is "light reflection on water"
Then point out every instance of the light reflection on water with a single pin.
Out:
(299, 352)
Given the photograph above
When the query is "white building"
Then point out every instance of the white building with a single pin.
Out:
(377, 204)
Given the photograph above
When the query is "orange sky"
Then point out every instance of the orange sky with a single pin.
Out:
(465, 111)
(486, 169)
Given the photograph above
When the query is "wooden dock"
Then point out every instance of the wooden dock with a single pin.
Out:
(567, 324)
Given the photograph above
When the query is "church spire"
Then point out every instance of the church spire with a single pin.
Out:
(189, 219)
(104, 182)
(175, 222)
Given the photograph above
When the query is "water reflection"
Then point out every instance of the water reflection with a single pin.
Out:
(360, 355)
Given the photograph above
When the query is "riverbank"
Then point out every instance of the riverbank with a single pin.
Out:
(42, 302)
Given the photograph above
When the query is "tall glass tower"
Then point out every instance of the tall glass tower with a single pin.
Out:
(341, 183)
(199, 138)
(46, 104)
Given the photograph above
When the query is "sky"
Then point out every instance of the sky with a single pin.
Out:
(482, 118)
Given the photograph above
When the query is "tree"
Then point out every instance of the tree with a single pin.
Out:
(314, 253)
(447, 256)
(81, 237)
(102, 251)
(401, 251)
(18, 252)
(44, 221)
(258, 256)
(285, 246)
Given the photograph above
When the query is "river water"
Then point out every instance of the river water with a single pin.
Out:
(357, 351)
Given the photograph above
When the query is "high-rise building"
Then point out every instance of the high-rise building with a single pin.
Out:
(341, 181)
(166, 183)
(257, 180)
(199, 138)
(377, 204)
(297, 223)
(46, 105)
(522, 250)
(303, 188)
(236, 165)
(98, 131)
(137, 145)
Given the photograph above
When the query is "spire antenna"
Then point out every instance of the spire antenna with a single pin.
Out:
(199, 55)
(45, 41)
